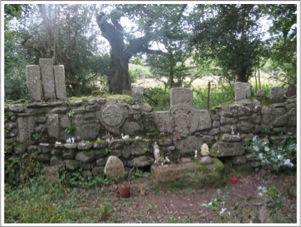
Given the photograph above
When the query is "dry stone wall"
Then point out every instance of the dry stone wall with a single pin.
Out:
(80, 135)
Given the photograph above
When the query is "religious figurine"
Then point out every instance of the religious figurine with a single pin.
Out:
(156, 152)
(205, 150)
(195, 153)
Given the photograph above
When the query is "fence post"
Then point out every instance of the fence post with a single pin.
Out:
(208, 100)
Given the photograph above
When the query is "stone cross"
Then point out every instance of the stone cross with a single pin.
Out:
(182, 118)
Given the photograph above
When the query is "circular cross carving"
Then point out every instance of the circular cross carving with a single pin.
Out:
(112, 115)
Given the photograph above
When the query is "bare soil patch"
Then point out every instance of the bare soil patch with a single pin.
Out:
(148, 205)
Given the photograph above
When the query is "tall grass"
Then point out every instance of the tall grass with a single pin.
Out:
(218, 95)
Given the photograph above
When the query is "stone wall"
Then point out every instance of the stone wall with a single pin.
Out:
(96, 125)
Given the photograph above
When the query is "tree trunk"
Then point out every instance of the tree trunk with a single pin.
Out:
(119, 79)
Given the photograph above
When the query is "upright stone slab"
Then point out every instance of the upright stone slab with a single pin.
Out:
(48, 81)
(180, 95)
(25, 128)
(34, 83)
(276, 94)
(137, 93)
(53, 125)
(242, 91)
(60, 87)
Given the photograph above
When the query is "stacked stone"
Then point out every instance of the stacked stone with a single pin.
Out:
(46, 81)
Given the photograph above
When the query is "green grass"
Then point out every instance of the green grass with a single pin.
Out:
(39, 202)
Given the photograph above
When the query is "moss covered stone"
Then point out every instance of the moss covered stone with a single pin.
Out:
(191, 174)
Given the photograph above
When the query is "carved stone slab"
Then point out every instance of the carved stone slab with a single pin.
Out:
(60, 88)
(34, 83)
(182, 115)
(46, 65)
(180, 96)
(112, 115)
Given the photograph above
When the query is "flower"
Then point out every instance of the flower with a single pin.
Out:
(178, 137)
(222, 211)
(234, 179)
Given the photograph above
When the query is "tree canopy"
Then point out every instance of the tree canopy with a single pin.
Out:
(97, 42)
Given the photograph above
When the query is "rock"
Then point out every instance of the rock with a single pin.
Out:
(116, 144)
(71, 165)
(201, 120)
(101, 162)
(224, 149)
(276, 94)
(142, 161)
(17, 108)
(54, 161)
(20, 149)
(280, 121)
(68, 154)
(239, 160)
(292, 117)
(189, 175)
(59, 110)
(228, 120)
(44, 158)
(126, 152)
(291, 90)
(189, 144)
(260, 95)
(87, 156)
(206, 160)
(185, 160)
(98, 171)
(231, 138)
(95, 107)
(164, 121)
(139, 147)
(205, 150)
(84, 145)
(131, 128)
(114, 167)
(34, 83)
(44, 149)
(70, 145)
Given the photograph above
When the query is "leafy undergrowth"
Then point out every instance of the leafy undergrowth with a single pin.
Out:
(238, 201)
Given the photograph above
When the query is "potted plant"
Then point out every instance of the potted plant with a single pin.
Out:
(124, 186)
(124, 190)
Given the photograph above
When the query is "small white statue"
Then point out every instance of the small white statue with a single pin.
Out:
(124, 137)
(72, 139)
(156, 152)
(195, 153)
(205, 150)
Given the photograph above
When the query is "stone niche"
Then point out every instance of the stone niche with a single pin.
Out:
(182, 119)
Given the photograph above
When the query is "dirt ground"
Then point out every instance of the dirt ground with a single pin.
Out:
(147, 205)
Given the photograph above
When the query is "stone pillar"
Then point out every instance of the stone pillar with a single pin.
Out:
(34, 83)
(242, 91)
(48, 82)
(60, 88)
(180, 95)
